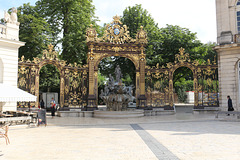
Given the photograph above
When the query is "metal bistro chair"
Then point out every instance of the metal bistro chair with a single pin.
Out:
(4, 133)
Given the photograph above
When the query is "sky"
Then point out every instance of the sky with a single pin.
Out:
(197, 16)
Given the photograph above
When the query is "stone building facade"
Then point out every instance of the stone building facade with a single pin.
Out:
(9, 44)
(228, 49)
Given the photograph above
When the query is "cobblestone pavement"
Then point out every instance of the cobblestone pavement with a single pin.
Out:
(182, 136)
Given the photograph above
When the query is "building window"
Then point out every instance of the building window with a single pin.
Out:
(238, 3)
(238, 21)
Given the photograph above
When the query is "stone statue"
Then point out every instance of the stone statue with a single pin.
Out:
(11, 18)
(116, 95)
(118, 73)
(106, 90)
(102, 94)
(111, 81)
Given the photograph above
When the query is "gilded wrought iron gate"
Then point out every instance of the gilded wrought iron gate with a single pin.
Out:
(159, 83)
(73, 79)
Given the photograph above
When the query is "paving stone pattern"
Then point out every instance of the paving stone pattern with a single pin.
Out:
(182, 136)
(161, 152)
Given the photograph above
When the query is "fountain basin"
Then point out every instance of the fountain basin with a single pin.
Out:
(118, 114)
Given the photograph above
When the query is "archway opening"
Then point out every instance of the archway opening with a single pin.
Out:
(107, 67)
(49, 85)
(183, 89)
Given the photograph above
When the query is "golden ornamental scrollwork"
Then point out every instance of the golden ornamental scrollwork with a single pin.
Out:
(195, 63)
(22, 59)
(33, 70)
(116, 49)
(157, 85)
(142, 55)
(66, 89)
(91, 34)
(50, 53)
(36, 60)
(70, 81)
(116, 33)
(32, 89)
(169, 65)
(149, 90)
(209, 82)
(182, 57)
(138, 74)
(22, 81)
(134, 58)
(208, 71)
(84, 90)
(22, 70)
(141, 36)
(208, 62)
(91, 54)
(75, 84)
(147, 67)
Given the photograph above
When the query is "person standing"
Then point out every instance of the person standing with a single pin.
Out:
(42, 103)
(230, 106)
(53, 104)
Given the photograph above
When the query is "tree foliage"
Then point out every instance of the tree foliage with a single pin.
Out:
(107, 66)
(71, 18)
(34, 30)
(134, 17)
(49, 79)
(64, 24)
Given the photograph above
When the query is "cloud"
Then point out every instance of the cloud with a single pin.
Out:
(198, 16)
(1, 14)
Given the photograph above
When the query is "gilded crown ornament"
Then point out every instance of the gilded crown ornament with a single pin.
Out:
(91, 34)
(116, 33)
(50, 53)
(182, 57)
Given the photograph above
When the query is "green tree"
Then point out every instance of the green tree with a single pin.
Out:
(34, 30)
(204, 52)
(135, 17)
(173, 38)
(71, 19)
(49, 79)
(107, 66)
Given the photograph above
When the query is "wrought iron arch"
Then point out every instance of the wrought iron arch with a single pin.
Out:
(73, 78)
(136, 64)
(157, 77)
(116, 42)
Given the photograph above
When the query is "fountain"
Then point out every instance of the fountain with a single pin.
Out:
(117, 96)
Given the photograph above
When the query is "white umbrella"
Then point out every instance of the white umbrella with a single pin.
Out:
(13, 94)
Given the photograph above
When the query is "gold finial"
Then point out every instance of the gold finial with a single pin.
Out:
(181, 51)
(116, 19)
(22, 58)
(50, 47)
(91, 25)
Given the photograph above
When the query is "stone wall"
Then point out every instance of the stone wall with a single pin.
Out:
(226, 16)
(228, 57)
(9, 44)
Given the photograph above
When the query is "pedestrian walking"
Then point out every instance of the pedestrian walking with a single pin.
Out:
(230, 106)
(53, 104)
